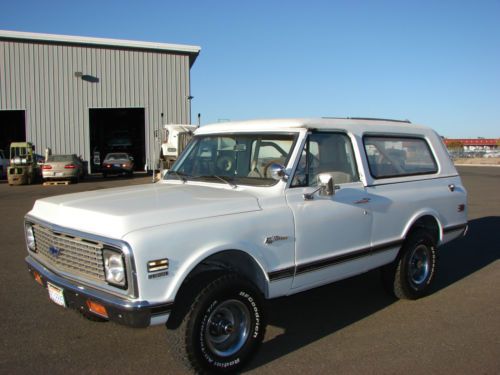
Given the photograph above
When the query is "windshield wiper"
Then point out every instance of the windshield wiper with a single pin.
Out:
(227, 181)
(181, 176)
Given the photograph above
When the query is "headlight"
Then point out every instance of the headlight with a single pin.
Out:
(30, 236)
(114, 267)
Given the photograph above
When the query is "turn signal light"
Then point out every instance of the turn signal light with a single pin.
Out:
(38, 278)
(70, 166)
(97, 308)
(158, 265)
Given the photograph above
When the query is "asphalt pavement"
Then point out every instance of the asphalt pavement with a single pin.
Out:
(349, 327)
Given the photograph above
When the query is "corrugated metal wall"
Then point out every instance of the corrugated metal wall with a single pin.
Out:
(40, 79)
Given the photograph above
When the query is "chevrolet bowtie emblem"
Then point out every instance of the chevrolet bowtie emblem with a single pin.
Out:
(54, 251)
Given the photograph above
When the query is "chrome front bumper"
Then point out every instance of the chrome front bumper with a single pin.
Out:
(137, 314)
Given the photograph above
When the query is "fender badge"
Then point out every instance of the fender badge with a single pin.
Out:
(270, 240)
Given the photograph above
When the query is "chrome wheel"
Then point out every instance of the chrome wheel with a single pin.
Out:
(228, 328)
(419, 265)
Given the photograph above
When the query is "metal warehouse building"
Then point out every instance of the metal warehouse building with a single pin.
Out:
(89, 96)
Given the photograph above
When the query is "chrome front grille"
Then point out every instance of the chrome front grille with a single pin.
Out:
(70, 254)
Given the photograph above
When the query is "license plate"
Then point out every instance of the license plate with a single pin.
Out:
(56, 294)
(58, 174)
(116, 165)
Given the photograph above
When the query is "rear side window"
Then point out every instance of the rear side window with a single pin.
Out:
(398, 156)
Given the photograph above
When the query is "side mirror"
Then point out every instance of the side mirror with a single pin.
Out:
(278, 172)
(325, 184)
(326, 187)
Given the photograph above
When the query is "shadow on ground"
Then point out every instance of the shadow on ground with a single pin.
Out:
(310, 316)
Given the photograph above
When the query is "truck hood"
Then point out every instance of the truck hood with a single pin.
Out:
(115, 212)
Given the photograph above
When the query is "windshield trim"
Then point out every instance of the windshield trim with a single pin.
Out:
(237, 180)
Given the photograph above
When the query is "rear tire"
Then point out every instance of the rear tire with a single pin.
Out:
(411, 274)
(223, 328)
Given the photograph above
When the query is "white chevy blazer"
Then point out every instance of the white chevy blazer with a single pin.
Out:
(251, 211)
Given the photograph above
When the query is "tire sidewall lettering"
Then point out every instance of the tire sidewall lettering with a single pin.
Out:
(214, 360)
(433, 265)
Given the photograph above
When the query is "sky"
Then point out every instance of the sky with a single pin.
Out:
(433, 62)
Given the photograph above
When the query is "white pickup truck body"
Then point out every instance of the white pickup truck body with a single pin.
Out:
(283, 234)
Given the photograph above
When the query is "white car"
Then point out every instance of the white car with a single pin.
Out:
(251, 211)
(63, 167)
(492, 154)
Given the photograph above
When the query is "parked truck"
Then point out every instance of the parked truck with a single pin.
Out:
(251, 211)
(174, 139)
(24, 168)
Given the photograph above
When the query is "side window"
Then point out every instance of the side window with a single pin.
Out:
(398, 156)
(326, 153)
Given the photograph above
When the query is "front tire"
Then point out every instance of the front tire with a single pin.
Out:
(411, 274)
(223, 328)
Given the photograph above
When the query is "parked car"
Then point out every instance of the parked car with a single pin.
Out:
(118, 163)
(492, 154)
(4, 164)
(251, 211)
(63, 167)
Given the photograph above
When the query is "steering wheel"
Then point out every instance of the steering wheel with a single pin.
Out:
(224, 164)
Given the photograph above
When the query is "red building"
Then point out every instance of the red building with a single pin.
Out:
(475, 144)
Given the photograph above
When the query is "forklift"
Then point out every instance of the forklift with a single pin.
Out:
(24, 168)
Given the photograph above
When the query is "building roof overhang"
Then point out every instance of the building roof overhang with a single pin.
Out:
(192, 51)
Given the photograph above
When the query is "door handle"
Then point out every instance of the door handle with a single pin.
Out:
(362, 201)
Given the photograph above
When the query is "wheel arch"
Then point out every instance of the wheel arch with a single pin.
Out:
(236, 261)
(427, 221)
(224, 261)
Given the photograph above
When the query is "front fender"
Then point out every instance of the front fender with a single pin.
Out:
(187, 244)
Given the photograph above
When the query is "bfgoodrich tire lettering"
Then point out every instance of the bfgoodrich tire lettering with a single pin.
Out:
(223, 328)
(412, 273)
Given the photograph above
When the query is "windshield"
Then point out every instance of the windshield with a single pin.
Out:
(116, 157)
(233, 158)
(18, 151)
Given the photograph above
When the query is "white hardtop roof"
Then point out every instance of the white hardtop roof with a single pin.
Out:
(99, 41)
(356, 125)
(181, 127)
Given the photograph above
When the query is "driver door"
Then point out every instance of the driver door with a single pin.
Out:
(332, 233)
